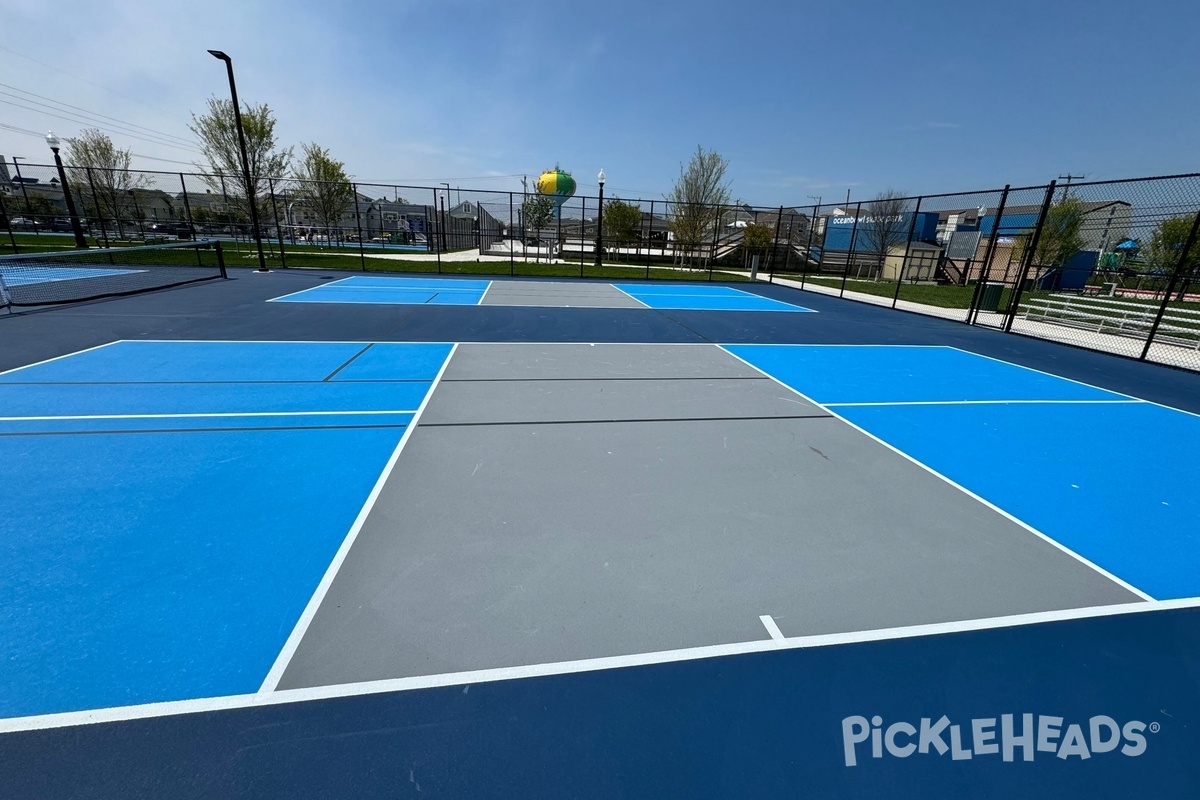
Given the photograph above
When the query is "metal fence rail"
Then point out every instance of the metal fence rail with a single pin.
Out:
(1113, 266)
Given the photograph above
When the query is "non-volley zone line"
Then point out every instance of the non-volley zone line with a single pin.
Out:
(1077, 464)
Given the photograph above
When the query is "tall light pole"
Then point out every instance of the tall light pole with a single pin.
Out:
(80, 242)
(600, 219)
(237, 118)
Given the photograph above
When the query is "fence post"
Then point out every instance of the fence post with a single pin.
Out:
(187, 208)
(100, 212)
(8, 225)
(278, 227)
(774, 246)
(25, 193)
(912, 228)
(812, 224)
(445, 219)
(1027, 261)
(989, 253)
(362, 256)
(1172, 285)
(649, 239)
(512, 245)
(712, 250)
(582, 223)
(850, 252)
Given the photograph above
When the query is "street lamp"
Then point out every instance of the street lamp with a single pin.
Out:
(80, 242)
(237, 118)
(600, 219)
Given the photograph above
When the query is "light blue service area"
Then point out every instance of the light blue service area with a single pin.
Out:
(156, 558)
(15, 275)
(1086, 467)
(702, 298)
(832, 374)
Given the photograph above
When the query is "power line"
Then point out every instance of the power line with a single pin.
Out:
(180, 139)
(85, 80)
(92, 123)
(80, 118)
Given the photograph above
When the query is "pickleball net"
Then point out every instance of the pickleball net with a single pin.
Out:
(39, 279)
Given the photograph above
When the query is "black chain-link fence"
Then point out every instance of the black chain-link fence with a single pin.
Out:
(1112, 266)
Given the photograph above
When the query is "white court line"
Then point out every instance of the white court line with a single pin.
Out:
(310, 611)
(1081, 383)
(480, 301)
(769, 623)
(631, 297)
(309, 289)
(286, 696)
(1124, 584)
(65, 355)
(212, 414)
(1132, 400)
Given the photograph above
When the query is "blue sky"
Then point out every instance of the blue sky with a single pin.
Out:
(801, 98)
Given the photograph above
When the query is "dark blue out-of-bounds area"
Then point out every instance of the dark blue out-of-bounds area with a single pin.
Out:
(1080, 464)
(180, 501)
(260, 448)
(1101, 707)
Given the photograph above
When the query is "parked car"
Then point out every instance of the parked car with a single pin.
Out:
(63, 225)
(26, 224)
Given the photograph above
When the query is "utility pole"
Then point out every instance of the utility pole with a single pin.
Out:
(1068, 178)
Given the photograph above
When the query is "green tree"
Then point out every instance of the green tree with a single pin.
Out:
(98, 163)
(885, 225)
(536, 213)
(322, 185)
(1165, 250)
(622, 222)
(696, 200)
(1061, 236)
(1167, 243)
(756, 238)
(216, 131)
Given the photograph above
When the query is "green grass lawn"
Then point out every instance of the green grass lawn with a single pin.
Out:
(932, 295)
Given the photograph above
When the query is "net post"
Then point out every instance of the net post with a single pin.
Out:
(220, 259)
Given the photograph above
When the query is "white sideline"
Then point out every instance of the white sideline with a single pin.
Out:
(310, 611)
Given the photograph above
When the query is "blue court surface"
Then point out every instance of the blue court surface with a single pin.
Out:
(182, 514)
(702, 298)
(24, 276)
(452, 291)
(398, 291)
(181, 501)
(1088, 468)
